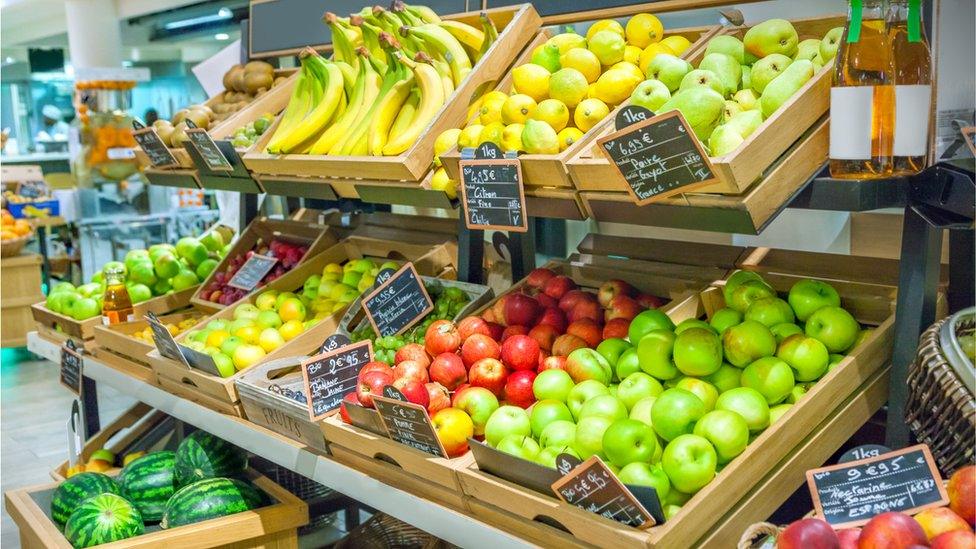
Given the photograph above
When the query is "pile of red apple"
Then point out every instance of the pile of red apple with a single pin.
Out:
(939, 527)
(289, 255)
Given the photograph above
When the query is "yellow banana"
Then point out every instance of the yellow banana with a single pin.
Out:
(335, 132)
(445, 71)
(467, 35)
(342, 47)
(349, 75)
(294, 111)
(447, 46)
(431, 100)
(371, 91)
(386, 112)
(371, 40)
(405, 116)
(306, 131)
(490, 32)
(360, 134)
(423, 12)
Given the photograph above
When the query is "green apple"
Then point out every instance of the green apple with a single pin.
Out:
(646, 321)
(645, 474)
(689, 461)
(650, 94)
(807, 356)
(637, 386)
(784, 330)
(769, 311)
(806, 296)
(693, 323)
(552, 384)
(726, 431)
(583, 364)
(747, 342)
(669, 69)
(771, 376)
(558, 433)
(771, 36)
(702, 77)
(834, 327)
(705, 391)
(628, 363)
(544, 412)
(725, 378)
(654, 354)
(830, 43)
(735, 280)
(777, 412)
(582, 392)
(607, 406)
(547, 456)
(676, 497)
(269, 319)
(797, 393)
(675, 412)
(725, 318)
(747, 292)
(862, 336)
(246, 311)
(834, 360)
(641, 411)
(230, 344)
(727, 44)
(749, 404)
(612, 348)
(520, 446)
(507, 420)
(589, 436)
(628, 441)
(670, 511)
(697, 352)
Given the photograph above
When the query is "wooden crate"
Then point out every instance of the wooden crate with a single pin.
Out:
(549, 170)
(117, 347)
(846, 382)
(273, 526)
(20, 275)
(740, 169)
(318, 238)
(517, 25)
(16, 319)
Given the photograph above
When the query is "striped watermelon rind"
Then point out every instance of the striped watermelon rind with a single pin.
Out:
(73, 491)
(103, 519)
(148, 482)
(211, 498)
(203, 455)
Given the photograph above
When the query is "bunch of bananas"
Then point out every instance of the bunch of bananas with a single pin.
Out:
(390, 74)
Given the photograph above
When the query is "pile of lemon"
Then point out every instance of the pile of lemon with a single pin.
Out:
(570, 85)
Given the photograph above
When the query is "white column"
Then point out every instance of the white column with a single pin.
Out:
(94, 38)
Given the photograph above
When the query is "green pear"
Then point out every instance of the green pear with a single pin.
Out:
(749, 59)
(771, 36)
(785, 85)
(650, 94)
(726, 68)
(830, 43)
(668, 69)
(702, 108)
(809, 49)
(731, 109)
(746, 99)
(702, 77)
(766, 69)
(724, 140)
(727, 44)
(746, 81)
(745, 122)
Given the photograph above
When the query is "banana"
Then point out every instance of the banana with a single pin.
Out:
(342, 46)
(490, 32)
(467, 35)
(447, 46)
(423, 12)
(294, 111)
(349, 75)
(392, 104)
(371, 40)
(371, 91)
(400, 10)
(443, 69)
(405, 116)
(359, 135)
(334, 132)
(431, 100)
(303, 134)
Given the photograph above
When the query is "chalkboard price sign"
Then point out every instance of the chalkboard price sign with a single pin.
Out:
(398, 303)
(252, 272)
(151, 144)
(165, 343)
(658, 157)
(332, 375)
(409, 424)
(333, 342)
(200, 361)
(492, 192)
(593, 487)
(850, 494)
(209, 151)
(71, 365)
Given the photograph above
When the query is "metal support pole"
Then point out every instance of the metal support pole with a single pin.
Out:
(522, 248)
(45, 262)
(471, 254)
(249, 210)
(89, 403)
(961, 271)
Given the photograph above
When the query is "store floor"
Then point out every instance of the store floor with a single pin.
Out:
(34, 409)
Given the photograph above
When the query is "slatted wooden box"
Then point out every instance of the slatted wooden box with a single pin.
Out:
(118, 348)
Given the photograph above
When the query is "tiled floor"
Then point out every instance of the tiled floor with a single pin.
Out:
(34, 410)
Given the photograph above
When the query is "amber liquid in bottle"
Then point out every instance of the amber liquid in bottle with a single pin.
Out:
(913, 90)
(866, 64)
(116, 304)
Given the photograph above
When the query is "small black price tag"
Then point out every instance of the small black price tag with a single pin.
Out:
(398, 303)
(850, 494)
(209, 151)
(658, 157)
(566, 463)
(200, 361)
(333, 342)
(71, 367)
(409, 424)
(165, 343)
(252, 272)
(332, 375)
(151, 144)
(864, 451)
(593, 487)
(492, 193)
(392, 392)
(630, 115)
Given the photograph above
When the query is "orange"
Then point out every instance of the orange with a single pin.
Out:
(7, 218)
(7, 234)
(22, 227)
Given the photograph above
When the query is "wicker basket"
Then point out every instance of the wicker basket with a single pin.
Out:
(13, 246)
(940, 408)
(382, 531)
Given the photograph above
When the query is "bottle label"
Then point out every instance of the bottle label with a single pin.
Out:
(117, 317)
(912, 106)
(850, 122)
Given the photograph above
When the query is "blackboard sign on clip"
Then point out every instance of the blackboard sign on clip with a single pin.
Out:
(151, 144)
(252, 272)
(332, 375)
(492, 193)
(657, 157)
(409, 424)
(850, 494)
(398, 303)
(208, 149)
(165, 343)
(333, 342)
(593, 487)
(71, 367)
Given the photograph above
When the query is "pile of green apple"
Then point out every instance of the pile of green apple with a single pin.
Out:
(692, 396)
(738, 83)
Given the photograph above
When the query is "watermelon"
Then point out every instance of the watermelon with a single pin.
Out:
(202, 455)
(211, 498)
(148, 482)
(103, 519)
(77, 489)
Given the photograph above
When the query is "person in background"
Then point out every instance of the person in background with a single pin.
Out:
(53, 128)
(150, 116)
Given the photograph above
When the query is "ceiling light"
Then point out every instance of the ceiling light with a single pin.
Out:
(127, 63)
(221, 36)
(203, 19)
(225, 13)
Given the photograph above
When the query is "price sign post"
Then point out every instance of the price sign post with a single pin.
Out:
(332, 375)
(252, 272)
(398, 303)
(151, 144)
(208, 149)
(592, 486)
(409, 424)
(492, 193)
(71, 367)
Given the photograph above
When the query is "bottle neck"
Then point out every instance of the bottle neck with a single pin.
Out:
(114, 280)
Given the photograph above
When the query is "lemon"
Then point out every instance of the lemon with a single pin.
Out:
(589, 112)
(615, 85)
(643, 30)
(469, 136)
(677, 44)
(517, 109)
(632, 54)
(532, 80)
(447, 140)
(567, 137)
(567, 41)
(650, 52)
(632, 68)
(491, 111)
(441, 182)
(494, 95)
(582, 60)
(539, 138)
(552, 112)
(608, 47)
(604, 25)
(591, 91)
(491, 132)
(569, 86)
(512, 137)
(474, 108)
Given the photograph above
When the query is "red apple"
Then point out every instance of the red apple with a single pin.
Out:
(411, 369)
(414, 390)
(495, 331)
(453, 428)
(448, 369)
(622, 306)
(544, 335)
(956, 539)
(518, 388)
(546, 301)
(649, 301)
(349, 400)
(414, 352)
(498, 310)
(371, 384)
(555, 317)
(553, 363)
(891, 530)
(848, 537)
(587, 330)
(543, 355)
(617, 327)
(488, 315)
(557, 286)
(808, 533)
(489, 373)
(939, 520)
(538, 277)
(477, 347)
(472, 325)
(613, 288)
(375, 366)
(520, 352)
(567, 343)
(513, 331)
(437, 396)
(962, 493)
(442, 337)
(568, 301)
(586, 309)
(521, 310)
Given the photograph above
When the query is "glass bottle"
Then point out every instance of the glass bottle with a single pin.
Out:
(913, 86)
(116, 304)
(862, 98)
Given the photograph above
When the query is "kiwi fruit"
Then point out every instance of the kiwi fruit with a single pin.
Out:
(258, 66)
(165, 133)
(237, 81)
(179, 116)
(200, 118)
(201, 107)
(178, 135)
(253, 81)
(229, 76)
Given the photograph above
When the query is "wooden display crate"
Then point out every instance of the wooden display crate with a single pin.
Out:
(549, 170)
(118, 348)
(517, 24)
(20, 286)
(273, 526)
(848, 382)
(740, 169)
